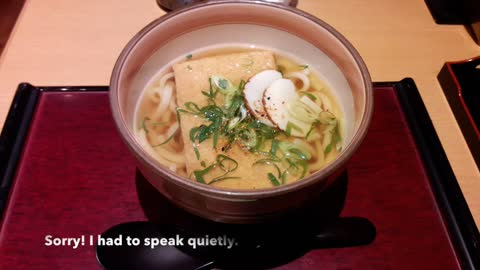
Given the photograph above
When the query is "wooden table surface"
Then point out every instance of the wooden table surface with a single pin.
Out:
(59, 42)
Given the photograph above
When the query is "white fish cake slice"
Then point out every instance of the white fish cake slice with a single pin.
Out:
(253, 93)
(275, 101)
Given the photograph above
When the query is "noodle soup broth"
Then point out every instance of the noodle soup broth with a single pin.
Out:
(240, 118)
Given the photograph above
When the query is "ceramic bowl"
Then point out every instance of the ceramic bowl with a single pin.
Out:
(252, 24)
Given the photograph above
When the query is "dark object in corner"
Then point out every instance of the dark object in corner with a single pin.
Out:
(466, 12)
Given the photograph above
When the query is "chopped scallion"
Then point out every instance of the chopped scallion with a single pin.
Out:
(290, 126)
(308, 94)
(144, 126)
(226, 163)
(273, 179)
(199, 174)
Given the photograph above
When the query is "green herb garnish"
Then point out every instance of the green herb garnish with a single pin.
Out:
(312, 128)
(303, 66)
(299, 154)
(197, 153)
(143, 125)
(166, 141)
(199, 174)
(274, 148)
(188, 56)
(218, 179)
(336, 138)
(290, 126)
(292, 155)
(329, 148)
(273, 179)
(213, 114)
(248, 138)
(234, 125)
(309, 95)
(230, 121)
(223, 84)
(211, 94)
(224, 163)
(271, 162)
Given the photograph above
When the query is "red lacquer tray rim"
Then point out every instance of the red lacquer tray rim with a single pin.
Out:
(455, 94)
(461, 91)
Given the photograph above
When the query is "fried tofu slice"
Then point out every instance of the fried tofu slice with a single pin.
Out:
(191, 78)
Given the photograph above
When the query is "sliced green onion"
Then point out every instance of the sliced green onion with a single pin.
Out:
(144, 126)
(312, 128)
(304, 165)
(268, 161)
(166, 141)
(264, 130)
(273, 179)
(336, 138)
(295, 151)
(226, 87)
(284, 177)
(223, 84)
(241, 86)
(234, 105)
(192, 107)
(327, 118)
(249, 138)
(216, 127)
(308, 94)
(302, 112)
(329, 148)
(274, 148)
(178, 111)
(211, 94)
(218, 179)
(197, 153)
(290, 126)
(199, 174)
(233, 123)
(301, 155)
(226, 163)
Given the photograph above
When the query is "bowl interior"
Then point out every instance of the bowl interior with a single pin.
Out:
(263, 26)
(247, 36)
